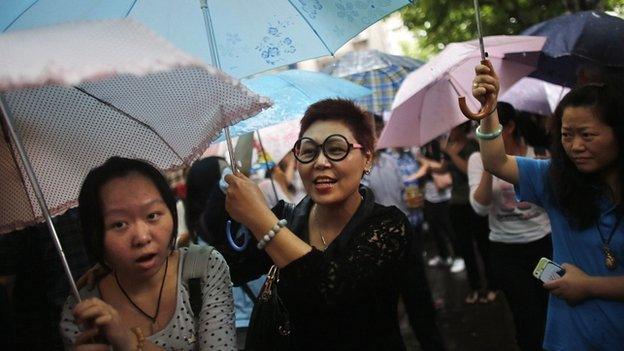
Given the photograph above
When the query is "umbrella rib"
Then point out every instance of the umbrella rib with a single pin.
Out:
(295, 86)
(20, 15)
(131, 8)
(450, 79)
(311, 27)
(126, 114)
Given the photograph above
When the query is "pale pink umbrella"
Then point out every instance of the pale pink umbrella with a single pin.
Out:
(535, 96)
(277, 140)
(426, 104)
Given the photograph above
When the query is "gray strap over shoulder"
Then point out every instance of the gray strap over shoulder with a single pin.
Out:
(196, 261)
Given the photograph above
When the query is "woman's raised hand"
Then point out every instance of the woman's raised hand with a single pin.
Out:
(485, 83)
(244, 200)
(101, 319)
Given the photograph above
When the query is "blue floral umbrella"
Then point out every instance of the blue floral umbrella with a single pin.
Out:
(383, 73)
(242, 37)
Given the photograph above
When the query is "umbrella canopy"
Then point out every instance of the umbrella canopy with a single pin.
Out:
(80, 93)
(535, 96)
(249, 36)
(292, 92)
(383, 73)
(426, 104)
(576, 39)
(277, 140)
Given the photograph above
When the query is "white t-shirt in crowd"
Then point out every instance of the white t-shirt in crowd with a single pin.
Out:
(510, 221)
(432, 194)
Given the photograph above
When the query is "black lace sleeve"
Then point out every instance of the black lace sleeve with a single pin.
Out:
(244, 266)
(375, 254)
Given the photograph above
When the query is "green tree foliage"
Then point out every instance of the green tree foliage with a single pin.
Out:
(439, 22)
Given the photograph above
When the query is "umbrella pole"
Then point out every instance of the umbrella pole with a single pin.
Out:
(479, 30)
(266, 163)
(490, 104)
(230, 147)
(39, 194)
(214, 56)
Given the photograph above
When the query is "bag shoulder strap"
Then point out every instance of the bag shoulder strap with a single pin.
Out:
(196, 261)
(250, 294)
(194, 268)
(288, 212)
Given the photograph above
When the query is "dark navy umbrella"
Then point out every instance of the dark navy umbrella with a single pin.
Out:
(574, 40)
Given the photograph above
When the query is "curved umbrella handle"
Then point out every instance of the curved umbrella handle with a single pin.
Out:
(230, 238)
(488, 107)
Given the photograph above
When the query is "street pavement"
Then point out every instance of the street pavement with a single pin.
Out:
(478, 327)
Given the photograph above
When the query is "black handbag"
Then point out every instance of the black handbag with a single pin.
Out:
(269, 325)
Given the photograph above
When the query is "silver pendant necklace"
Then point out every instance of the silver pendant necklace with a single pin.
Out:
(313, 213)
(323, 240)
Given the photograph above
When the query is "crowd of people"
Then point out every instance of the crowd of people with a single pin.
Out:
(343, 247)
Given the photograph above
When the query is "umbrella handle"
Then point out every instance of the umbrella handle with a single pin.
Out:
(230, 238)
(488, 107)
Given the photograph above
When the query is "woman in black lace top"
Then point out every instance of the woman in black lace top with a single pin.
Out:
(343, 256)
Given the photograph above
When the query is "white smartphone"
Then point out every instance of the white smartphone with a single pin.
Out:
(547, 270)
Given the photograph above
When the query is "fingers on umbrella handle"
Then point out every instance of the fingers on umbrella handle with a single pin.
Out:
(487, 63)
(486, 109)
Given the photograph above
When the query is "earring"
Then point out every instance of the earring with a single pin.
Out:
(367, 171)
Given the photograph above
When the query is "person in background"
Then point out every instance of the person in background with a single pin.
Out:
(581, 188)
(278, 181)
(534, 130)
(519, 236)
(467, 225)
(203, 183)
(388, 185)
(201, 180)
(437, 190)
(128, 217)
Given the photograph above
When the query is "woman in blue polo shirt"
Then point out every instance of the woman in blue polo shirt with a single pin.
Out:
(581, 188)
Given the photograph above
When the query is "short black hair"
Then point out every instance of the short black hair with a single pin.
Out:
(507, 113)
(201, 180)
(90, 204)
(346, 111)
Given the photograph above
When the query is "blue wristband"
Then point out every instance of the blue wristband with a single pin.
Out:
(488, 136)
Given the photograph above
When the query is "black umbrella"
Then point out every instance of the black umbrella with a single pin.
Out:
(575, 40)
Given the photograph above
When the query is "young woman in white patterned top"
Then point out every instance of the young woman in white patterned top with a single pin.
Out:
(128, 217)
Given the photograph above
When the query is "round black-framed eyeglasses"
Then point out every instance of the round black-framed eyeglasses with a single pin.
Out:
(336, 147)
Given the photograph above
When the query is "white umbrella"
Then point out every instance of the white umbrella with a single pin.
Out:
(79, 93)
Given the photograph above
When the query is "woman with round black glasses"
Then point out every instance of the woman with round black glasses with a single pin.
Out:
(342, 257)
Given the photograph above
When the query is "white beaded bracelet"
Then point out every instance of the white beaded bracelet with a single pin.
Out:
(271, 233)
